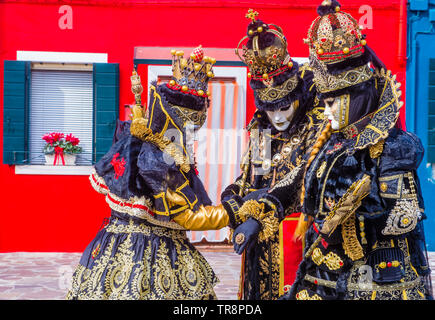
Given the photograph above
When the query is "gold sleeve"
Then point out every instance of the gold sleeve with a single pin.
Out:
(205, 218)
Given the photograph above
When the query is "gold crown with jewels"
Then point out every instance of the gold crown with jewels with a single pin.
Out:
(335, 36)
(267, 62)
(191, 75)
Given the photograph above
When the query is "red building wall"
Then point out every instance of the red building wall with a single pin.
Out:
(63, 213)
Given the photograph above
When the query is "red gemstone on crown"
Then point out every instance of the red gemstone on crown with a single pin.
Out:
(198, 54)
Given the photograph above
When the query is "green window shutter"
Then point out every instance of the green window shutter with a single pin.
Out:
(431, 121)
(15, 111)
(106, 110)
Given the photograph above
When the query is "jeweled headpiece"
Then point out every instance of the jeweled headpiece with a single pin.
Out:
(338, 51)
(335, 35)
(191, 75)
(273, 74)
(265, 53)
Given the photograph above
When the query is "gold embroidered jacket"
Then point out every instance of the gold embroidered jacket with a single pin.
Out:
(365, 242)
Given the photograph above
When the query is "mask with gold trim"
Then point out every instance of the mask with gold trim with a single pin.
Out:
(344, 66)
(337, 111)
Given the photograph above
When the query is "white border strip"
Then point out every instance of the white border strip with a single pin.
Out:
(239, 73)
(67, 57)
(54, 170)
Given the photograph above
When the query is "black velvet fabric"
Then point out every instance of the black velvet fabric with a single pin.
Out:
(122, 129)
(182, 99)
(324, 10)
(402, 153)
(148, 170)
(364, 99)
(265, 39)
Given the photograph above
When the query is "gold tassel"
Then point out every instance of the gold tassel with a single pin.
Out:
(302, 227)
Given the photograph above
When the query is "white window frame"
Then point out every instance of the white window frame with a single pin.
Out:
(239, 73)
(59, 57)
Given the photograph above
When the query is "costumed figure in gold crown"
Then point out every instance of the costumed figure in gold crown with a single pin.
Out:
(150, 183)
(362, 202)
(282, 132)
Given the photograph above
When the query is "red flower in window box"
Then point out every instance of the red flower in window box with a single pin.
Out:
(70, 138)
(57, 140)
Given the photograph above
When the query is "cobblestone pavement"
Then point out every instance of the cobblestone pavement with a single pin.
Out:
(46, 276)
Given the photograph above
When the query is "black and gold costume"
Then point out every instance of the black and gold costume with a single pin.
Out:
(363, 197)
(151, 186)
(272, 155)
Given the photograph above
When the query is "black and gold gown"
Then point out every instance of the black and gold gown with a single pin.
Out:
(260, 274)
(362, 190)
(273, 156)
(155, 196)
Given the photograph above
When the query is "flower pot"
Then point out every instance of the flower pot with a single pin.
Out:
(70, 160)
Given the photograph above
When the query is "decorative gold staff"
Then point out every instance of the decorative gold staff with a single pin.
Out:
(137, 89)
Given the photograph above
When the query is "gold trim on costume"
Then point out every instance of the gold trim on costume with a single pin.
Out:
(331, 260)
(325, 82)
(271, 94)
(385, 117)
(403, 218)
(304, 295)
(362, 287)
(190, 116)
(141, 128)
(343, 109)
(268, 221)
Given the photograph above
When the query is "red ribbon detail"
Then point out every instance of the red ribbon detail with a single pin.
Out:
(324, 243)
(99, 184)
(58, 154)
(133, 206)
(177, 87)
(118, 166)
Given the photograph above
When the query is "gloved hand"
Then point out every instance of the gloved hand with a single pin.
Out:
(245, 234)
(229, 192)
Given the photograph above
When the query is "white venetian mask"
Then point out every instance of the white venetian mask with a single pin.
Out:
(337, 111)
(281, 118)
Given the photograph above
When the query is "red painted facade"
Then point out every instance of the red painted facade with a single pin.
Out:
(63, 213)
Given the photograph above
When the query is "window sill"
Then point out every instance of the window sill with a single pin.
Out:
(53, 170)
